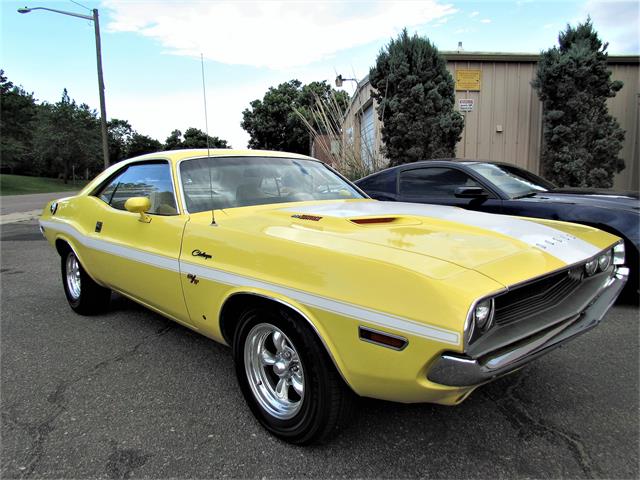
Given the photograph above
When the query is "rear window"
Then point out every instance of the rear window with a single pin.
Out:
(380, 182)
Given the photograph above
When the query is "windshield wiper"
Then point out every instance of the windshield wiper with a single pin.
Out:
(525, 195)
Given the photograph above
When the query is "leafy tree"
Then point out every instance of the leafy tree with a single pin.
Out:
(18, 116)
(416, 97)
(140, 144)
(193, 138)
(120, 133)
(67, 137)
(173, 141)
(273, 124)
(581, 140)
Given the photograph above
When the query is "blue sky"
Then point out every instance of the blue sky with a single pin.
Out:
(151, 48)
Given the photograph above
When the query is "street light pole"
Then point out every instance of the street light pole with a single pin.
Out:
(103, 107)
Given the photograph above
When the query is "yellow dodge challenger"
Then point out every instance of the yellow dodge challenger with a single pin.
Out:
(323, 293)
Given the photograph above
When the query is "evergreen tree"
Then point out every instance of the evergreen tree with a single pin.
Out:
(119, 134)
(581, 140)
(140, 144)
(18, 114)
(193, 138)
(67, 138)
(196, 138)
(416, 96)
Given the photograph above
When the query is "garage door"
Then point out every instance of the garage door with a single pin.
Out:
(367, 136)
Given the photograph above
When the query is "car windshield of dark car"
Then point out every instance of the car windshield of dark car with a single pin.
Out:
(226, 182)
(508, 180)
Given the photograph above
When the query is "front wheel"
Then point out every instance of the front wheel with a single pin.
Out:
(290, 384)
(84, 295)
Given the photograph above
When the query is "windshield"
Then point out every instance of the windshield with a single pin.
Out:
(511, 180)
(226, 182)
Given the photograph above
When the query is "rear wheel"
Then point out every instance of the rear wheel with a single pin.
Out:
(84, 295)
(290, 384)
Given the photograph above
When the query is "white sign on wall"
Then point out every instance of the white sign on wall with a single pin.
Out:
(465, 104)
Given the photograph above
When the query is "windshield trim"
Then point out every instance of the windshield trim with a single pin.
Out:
(505, 193)
(244, 155)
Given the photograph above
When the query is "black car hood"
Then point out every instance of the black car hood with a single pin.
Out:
(593, 198)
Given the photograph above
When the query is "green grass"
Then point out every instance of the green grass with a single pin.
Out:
(22, 185)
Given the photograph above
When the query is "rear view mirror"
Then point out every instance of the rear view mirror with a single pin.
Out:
(139, 205)
(470, 192)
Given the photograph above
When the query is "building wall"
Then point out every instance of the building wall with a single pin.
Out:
(507, 101)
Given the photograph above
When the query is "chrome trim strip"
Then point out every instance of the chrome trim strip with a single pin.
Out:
(124, 165)
(457, 370)
(221, 276)
(497, 293)
(202, 157)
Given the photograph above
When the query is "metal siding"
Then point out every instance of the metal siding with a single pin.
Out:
(506, 97)
(367, 135)
(624, 107)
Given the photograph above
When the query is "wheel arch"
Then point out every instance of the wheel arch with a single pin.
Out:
(238, 301)
(63, 243)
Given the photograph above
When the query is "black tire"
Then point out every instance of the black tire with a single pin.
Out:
(327, 401)
(89, 298)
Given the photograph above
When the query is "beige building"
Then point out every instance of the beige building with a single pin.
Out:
(505, 118)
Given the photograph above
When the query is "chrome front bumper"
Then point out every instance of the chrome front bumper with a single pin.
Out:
(459, 370)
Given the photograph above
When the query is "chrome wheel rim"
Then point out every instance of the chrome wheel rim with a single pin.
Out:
(73, 276)
(274, 371)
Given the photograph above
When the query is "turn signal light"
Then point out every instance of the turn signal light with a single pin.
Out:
(382, 338)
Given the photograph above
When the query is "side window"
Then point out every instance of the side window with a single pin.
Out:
(434, 181)
(151, 180)
(382, 182)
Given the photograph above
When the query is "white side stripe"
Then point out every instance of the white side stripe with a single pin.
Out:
(327, 304)
(152, 259)
(335, 306)
(565, 247)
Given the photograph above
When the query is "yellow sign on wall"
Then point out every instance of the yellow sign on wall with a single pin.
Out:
(468, 80)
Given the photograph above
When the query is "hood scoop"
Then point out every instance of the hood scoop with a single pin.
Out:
(385, 221)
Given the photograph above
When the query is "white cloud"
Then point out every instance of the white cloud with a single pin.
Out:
(485, 20)
(474, 14)
(274, 34)
(617, 22)
(547, 26)
(158, 114)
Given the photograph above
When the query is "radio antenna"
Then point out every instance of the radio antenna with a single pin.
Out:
(206, 127)
(204, 96)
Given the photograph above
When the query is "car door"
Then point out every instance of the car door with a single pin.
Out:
(439, 185)
(140, 258)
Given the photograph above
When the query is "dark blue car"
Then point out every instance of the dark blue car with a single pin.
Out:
(510, 190)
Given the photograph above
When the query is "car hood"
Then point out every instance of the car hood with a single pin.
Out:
(507, 249)
(592, 198)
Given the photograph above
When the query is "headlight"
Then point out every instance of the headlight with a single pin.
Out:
(604, 261)
(591, 266)
(482, 314)
(618, 254)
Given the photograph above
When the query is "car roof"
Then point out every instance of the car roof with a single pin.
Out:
(468, 161)
(437, 161)
(177, 155)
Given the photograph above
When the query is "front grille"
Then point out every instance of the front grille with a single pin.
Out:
(537, 296)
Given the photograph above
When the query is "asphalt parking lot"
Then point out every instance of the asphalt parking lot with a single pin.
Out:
(130, 394)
